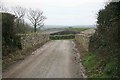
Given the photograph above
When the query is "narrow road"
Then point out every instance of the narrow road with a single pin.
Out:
(56, 59)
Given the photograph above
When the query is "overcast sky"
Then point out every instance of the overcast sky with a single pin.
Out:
(64, 12)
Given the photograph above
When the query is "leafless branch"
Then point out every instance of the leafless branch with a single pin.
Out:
(36, 17)
(19, 12)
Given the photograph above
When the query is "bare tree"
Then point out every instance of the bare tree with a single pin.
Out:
(19, 13)
(36, 18)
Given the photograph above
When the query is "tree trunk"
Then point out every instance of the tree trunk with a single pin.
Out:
(35, 27)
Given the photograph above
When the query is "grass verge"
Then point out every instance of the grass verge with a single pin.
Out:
(77, 29)
(99, 67)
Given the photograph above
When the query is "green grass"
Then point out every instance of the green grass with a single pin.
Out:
(111, 68)
(99, 67)
(89, 60)
(77, 29)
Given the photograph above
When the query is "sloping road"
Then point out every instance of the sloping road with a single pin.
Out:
(56, 59)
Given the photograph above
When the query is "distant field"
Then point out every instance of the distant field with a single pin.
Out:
(77, 29)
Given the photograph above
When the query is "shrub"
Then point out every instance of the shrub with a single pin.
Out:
(10, 41)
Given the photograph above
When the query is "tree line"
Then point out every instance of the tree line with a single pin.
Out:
(35, 16)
